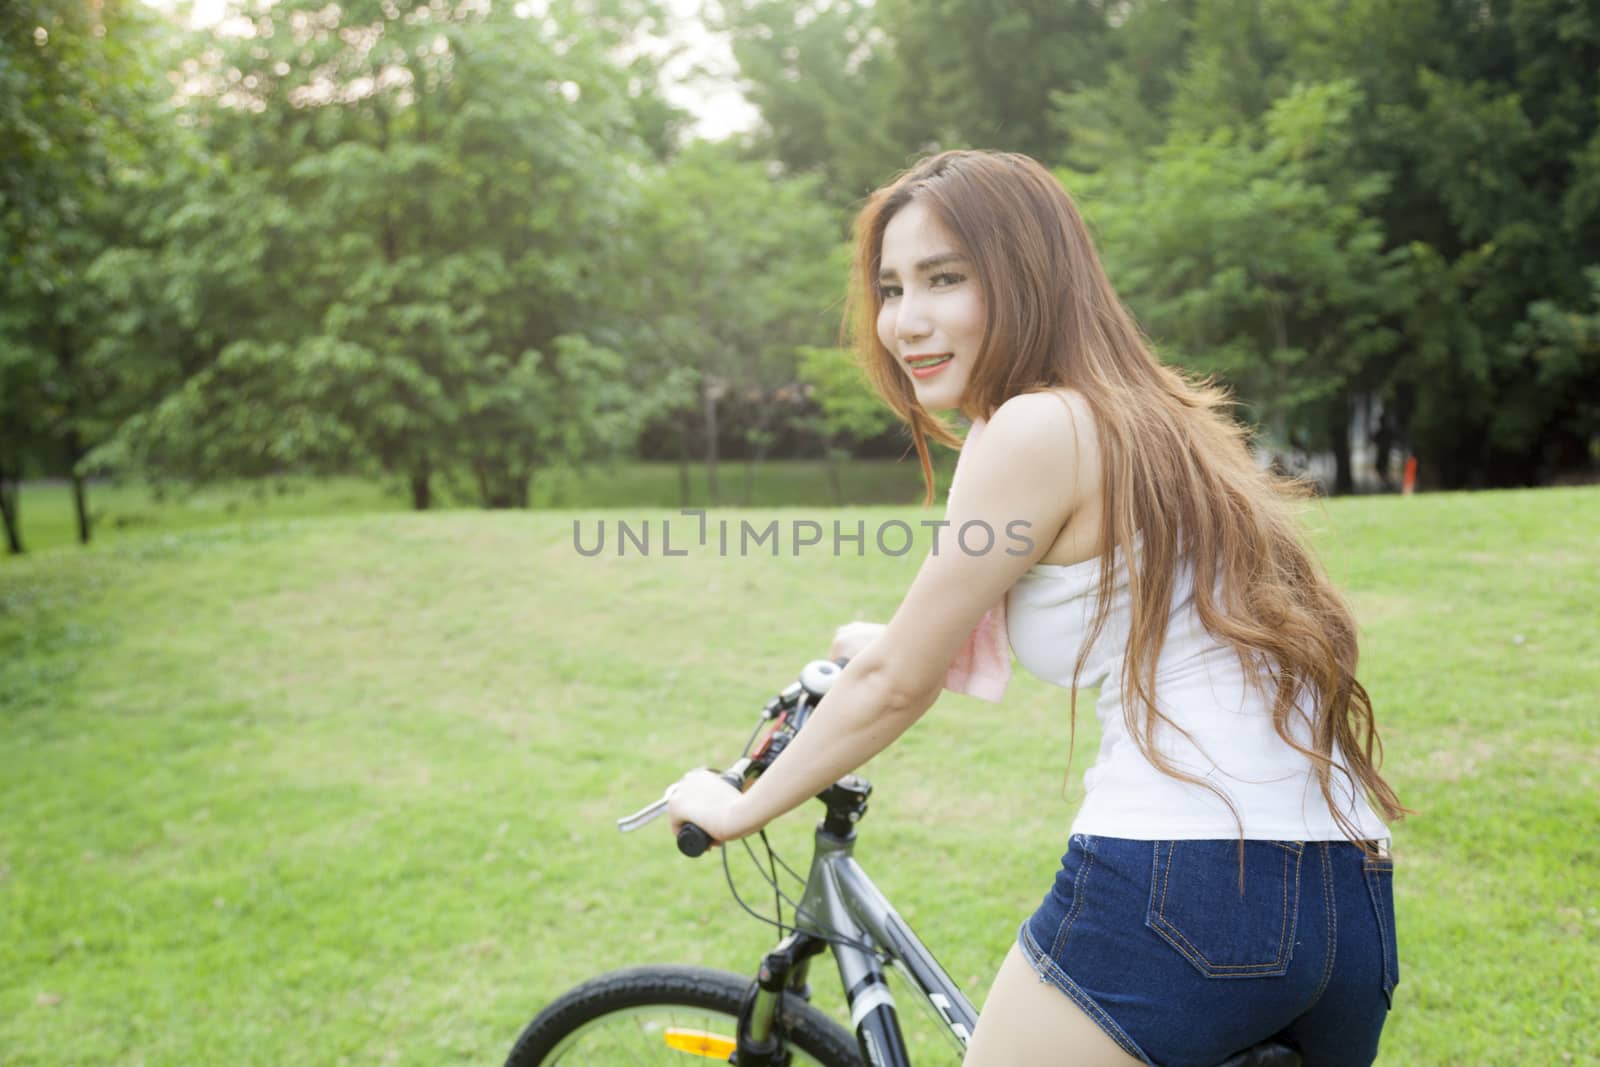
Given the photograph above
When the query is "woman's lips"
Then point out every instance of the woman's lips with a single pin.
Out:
(927, 366)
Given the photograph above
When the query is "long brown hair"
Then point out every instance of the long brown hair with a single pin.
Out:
(1175, 467)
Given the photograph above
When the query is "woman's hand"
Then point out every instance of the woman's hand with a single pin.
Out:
(852, 637)
(707, 801)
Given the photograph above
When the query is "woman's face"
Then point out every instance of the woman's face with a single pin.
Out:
(932, 318)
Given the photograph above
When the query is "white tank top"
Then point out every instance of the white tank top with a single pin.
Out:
(1200, 686)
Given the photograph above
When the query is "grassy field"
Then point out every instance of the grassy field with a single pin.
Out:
(341, 789)
(119, 510)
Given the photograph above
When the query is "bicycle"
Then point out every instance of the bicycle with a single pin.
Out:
(664, 1013)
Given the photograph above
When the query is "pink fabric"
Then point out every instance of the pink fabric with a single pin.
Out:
(982, 666)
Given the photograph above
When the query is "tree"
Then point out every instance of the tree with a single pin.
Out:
(982, 74)
(818, 75)
(851, 409)
(738, 273)
(22, 426)
(1558, 416)
(855, 91)
(1249, 256)
(1112, 123)
(422, 291)
(79, 104)
(1484, 114)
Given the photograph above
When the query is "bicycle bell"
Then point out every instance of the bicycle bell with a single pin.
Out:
(818, 676)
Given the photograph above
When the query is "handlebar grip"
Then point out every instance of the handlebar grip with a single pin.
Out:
(693, 841)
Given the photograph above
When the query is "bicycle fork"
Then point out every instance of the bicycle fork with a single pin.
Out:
(784, 970)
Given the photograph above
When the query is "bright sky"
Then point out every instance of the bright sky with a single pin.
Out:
(715, 101)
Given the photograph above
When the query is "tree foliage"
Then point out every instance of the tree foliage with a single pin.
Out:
(1332, 204)
(463, 243)
(84, 122)
(407, 206)
(743, 272)
(1250, 255)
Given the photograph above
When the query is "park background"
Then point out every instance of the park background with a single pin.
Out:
(322, 324)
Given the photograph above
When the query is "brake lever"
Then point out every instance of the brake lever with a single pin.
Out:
(734, 775)
(648, 814)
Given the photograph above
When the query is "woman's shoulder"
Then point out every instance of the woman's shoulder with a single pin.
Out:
(1043, 402)
(1047, 440)
(1055, 420)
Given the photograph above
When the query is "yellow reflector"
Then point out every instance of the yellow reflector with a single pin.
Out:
(700, 1043)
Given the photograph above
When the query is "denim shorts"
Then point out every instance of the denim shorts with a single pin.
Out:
(1157, 942)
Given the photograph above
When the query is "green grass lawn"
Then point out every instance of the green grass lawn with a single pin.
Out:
(119, 510)
(341, 789)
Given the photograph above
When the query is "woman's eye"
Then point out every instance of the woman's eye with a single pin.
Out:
(948, 278)
(888, 292)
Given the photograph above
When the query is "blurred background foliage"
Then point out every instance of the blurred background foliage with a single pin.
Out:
(460, 244)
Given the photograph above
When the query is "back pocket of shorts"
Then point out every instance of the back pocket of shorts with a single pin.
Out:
(1197, 907)
(1379, 875)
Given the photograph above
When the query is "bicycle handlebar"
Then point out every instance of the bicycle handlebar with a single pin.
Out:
(791, 710)
(693, 841)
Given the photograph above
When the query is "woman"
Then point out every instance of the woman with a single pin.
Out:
(1226, 879)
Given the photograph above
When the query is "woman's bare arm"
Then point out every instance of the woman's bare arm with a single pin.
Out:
(1021, 482)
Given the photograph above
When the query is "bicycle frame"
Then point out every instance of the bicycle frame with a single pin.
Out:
(841, 909)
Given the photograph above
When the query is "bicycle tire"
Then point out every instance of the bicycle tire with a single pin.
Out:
(630, 1009)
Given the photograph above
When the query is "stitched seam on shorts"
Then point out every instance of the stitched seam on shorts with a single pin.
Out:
(1175, 938)
(1291, 917)
(1370, 869)
(1078, 888)
(1383, 936)
(1048, 970)
(1331, 926)
(1383, 932)
(1283, 931)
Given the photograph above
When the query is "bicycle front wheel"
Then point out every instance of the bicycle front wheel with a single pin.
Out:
(669, 1015)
